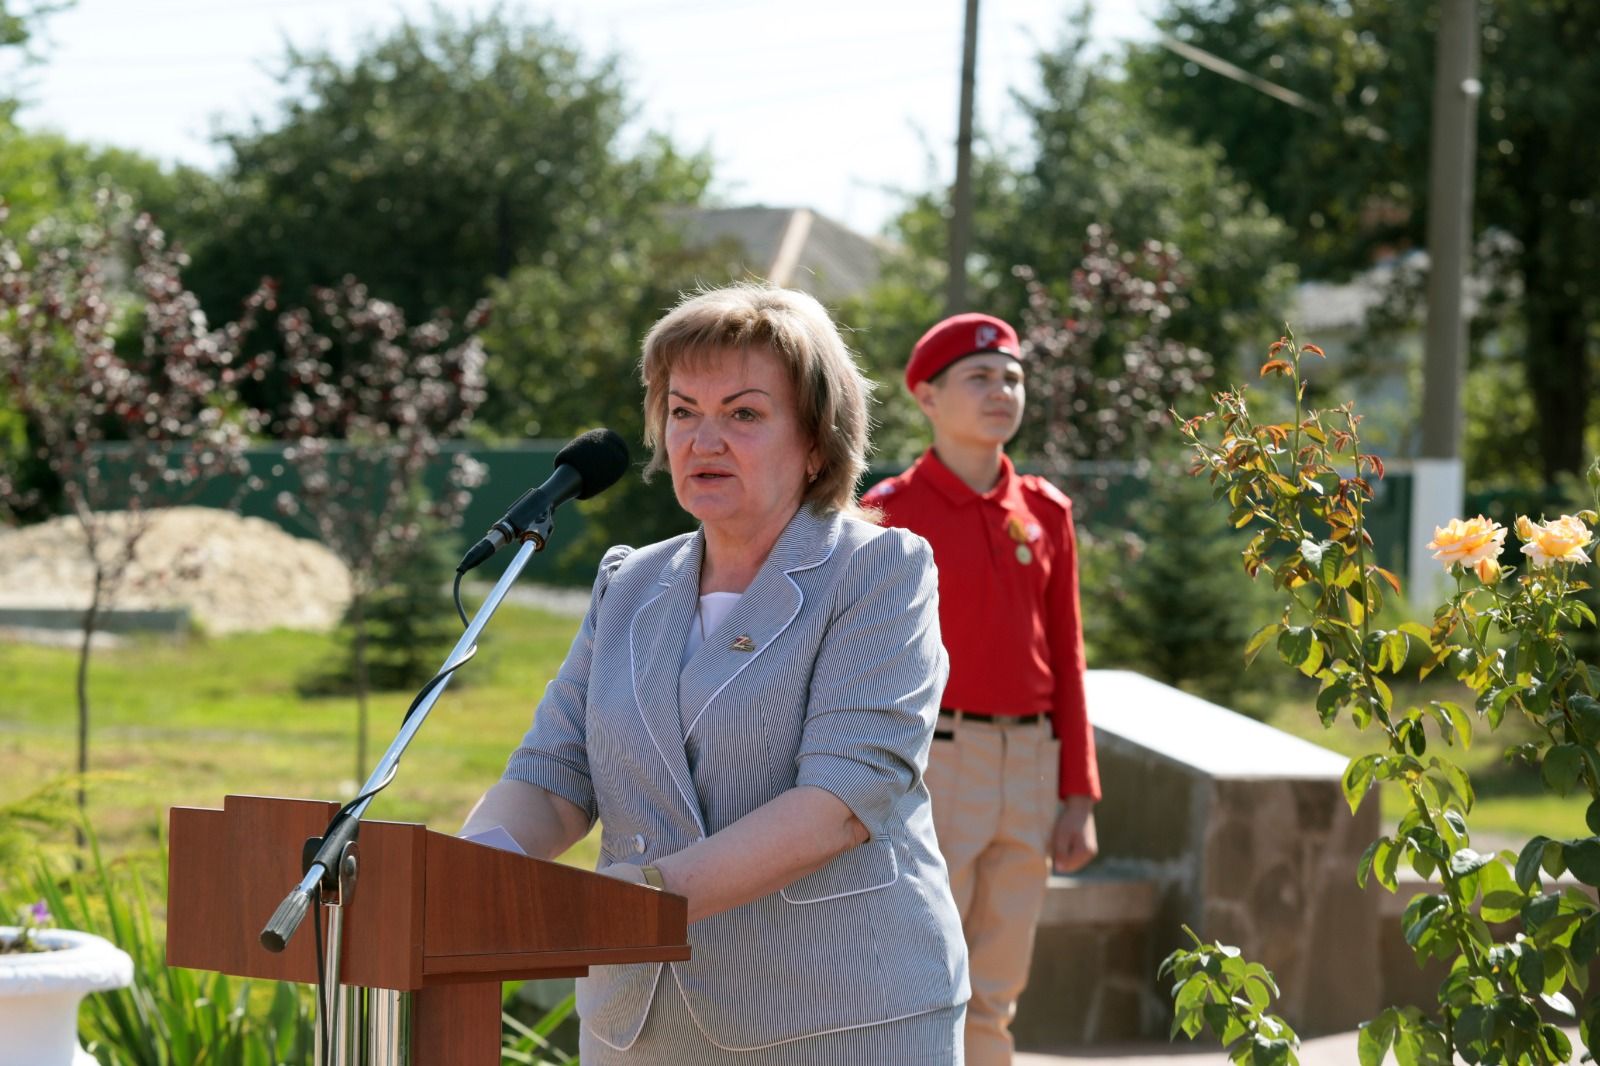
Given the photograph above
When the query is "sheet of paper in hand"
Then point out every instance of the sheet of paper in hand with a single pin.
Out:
(495, 837)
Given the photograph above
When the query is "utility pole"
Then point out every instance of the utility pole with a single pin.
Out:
(955, 293)
(1438, 486)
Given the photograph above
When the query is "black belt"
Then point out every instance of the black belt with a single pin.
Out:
(1007, 719)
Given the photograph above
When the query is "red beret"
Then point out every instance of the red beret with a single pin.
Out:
(957, 337)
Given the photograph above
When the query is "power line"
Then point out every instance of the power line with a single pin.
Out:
(803, 75)
(760, 59)
(1239, 74)
(1282, 94)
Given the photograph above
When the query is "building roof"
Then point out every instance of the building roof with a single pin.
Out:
(790, 246)
(1324, 306)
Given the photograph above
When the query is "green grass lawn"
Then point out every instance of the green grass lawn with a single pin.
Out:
(188, 722)
(1512, 802)
(185, 723)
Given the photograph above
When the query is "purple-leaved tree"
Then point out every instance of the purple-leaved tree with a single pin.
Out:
(1102, 371)
(366, 402)
(126, 394)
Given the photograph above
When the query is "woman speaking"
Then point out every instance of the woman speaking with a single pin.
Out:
(747, 709)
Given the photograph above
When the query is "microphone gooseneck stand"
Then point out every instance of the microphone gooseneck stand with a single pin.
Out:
(351, 1030)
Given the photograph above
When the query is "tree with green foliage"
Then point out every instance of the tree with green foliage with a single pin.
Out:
(881, 326)
(1166, 600)
(409, 621)
(19, 22)
(45, 175)
(1350, 176)
(438, 157)
(1090, 158)
(1090, 168)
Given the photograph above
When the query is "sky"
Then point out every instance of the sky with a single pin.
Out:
(836, 105)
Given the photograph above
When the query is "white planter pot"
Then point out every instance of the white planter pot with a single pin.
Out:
(40, 992)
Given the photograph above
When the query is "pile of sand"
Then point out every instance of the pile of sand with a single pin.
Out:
(233, 574)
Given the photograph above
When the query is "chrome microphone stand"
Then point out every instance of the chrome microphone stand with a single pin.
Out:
(371, 1027)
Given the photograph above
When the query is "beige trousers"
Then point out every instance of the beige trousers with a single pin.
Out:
(994, 805)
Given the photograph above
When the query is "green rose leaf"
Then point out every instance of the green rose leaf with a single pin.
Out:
(1376, 1038)
(1294, 644)
(1586, 714)
(1258, 640)
(1332, 562)
(1265, 1052)
(1586, 942)
(1387, 862)
(1558, 1002)
(1364, 867)
(1329, 699)
(1419, 915)
(1562, 764)
(1589, 1024)
(1455, 725)
(1554, 1040)
(1554, 859)
(1417, 632)
(1583, 859)
(1456, 779)
(1527, 869)
(1358, 778)
(1421, 1044)
(1219, 1016)
(1502, 899)
(1398, 648)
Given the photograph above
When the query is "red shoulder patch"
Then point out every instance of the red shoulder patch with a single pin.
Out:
(882, 490)
(1047, 490)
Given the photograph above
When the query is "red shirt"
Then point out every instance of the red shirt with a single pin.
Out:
(1008, 598)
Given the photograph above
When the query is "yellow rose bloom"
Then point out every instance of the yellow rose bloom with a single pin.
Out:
(1488, 571)
(1467, 543)
(1560, 540)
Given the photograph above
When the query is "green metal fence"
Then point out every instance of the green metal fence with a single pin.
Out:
(1103, 494)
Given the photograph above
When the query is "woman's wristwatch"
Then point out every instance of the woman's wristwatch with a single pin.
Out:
(652, 877)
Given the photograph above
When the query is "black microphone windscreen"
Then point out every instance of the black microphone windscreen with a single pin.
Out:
(599, 456)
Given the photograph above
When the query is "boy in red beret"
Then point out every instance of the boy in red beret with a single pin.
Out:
(1012, 770)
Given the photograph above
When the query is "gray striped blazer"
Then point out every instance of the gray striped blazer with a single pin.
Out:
(840, 691)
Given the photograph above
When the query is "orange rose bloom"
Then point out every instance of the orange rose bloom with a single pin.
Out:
(1467, 543)
(1560, 540)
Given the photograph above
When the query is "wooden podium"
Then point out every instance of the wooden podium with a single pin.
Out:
(442, 918)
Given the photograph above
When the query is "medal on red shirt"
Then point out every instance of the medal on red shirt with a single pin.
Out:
(1019, 533)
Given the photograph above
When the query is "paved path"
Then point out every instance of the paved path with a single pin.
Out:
(1336, 1050)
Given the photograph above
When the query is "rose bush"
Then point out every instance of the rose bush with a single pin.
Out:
(1301, 487)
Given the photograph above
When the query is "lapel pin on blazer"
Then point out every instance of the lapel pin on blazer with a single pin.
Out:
(742, 644)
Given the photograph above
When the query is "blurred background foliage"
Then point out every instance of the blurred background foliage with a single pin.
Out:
(458, 158)
(461, 157)
(455, 158)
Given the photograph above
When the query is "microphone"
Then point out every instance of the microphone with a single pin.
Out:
(588, 465)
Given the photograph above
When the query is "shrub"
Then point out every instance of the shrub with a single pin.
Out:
(1162, 597)
(1301, 487)
(410, 624)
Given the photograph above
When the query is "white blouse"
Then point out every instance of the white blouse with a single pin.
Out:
(714, 607)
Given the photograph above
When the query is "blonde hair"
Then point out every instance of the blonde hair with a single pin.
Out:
(830, 391)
